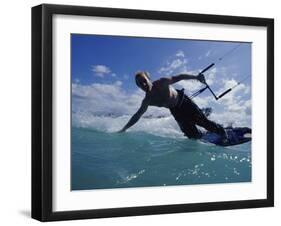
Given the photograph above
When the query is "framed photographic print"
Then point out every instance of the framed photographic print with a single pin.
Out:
(145, 112)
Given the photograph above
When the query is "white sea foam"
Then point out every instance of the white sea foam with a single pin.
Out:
(166, 126)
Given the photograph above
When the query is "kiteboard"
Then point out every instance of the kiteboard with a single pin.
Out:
(235, 136)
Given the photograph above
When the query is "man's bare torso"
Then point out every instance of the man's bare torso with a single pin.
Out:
(162, 95)
(158, 93)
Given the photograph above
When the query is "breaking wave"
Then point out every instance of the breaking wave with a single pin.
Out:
(165, 126)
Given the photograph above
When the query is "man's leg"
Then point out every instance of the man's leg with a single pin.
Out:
(188, 115)
(199, 118)
(209, 125)
(187, 127)
(190, 130)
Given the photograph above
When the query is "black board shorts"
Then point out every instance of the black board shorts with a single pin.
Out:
(188, 115)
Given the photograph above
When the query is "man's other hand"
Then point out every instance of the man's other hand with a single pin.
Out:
(201, 78)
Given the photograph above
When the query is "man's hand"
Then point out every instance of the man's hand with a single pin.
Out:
(201, 78)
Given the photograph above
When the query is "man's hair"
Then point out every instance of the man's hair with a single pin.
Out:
(141, 73)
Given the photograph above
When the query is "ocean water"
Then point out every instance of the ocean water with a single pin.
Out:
(153, 153)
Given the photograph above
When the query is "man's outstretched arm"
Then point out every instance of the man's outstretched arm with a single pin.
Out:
(136, 116)
(180, 77)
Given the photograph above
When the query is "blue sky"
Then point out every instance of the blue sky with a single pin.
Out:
(103, 69)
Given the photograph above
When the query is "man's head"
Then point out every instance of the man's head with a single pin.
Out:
(143, 81)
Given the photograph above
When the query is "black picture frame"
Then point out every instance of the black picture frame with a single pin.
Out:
(42, 107)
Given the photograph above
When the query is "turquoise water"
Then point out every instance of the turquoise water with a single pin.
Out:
(103, 159)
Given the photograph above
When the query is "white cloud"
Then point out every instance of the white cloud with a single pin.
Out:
(118, 83)
(76, 81)
(235, 108)
(236, 119)
(109, 99)
(126, 77)
(241, 106)
(189, 85)
(210, 77)
(233, 95)
(101, 70)
(208, 53)
(176, 64)
(203, 102)
(180, 53)
(173, 66)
